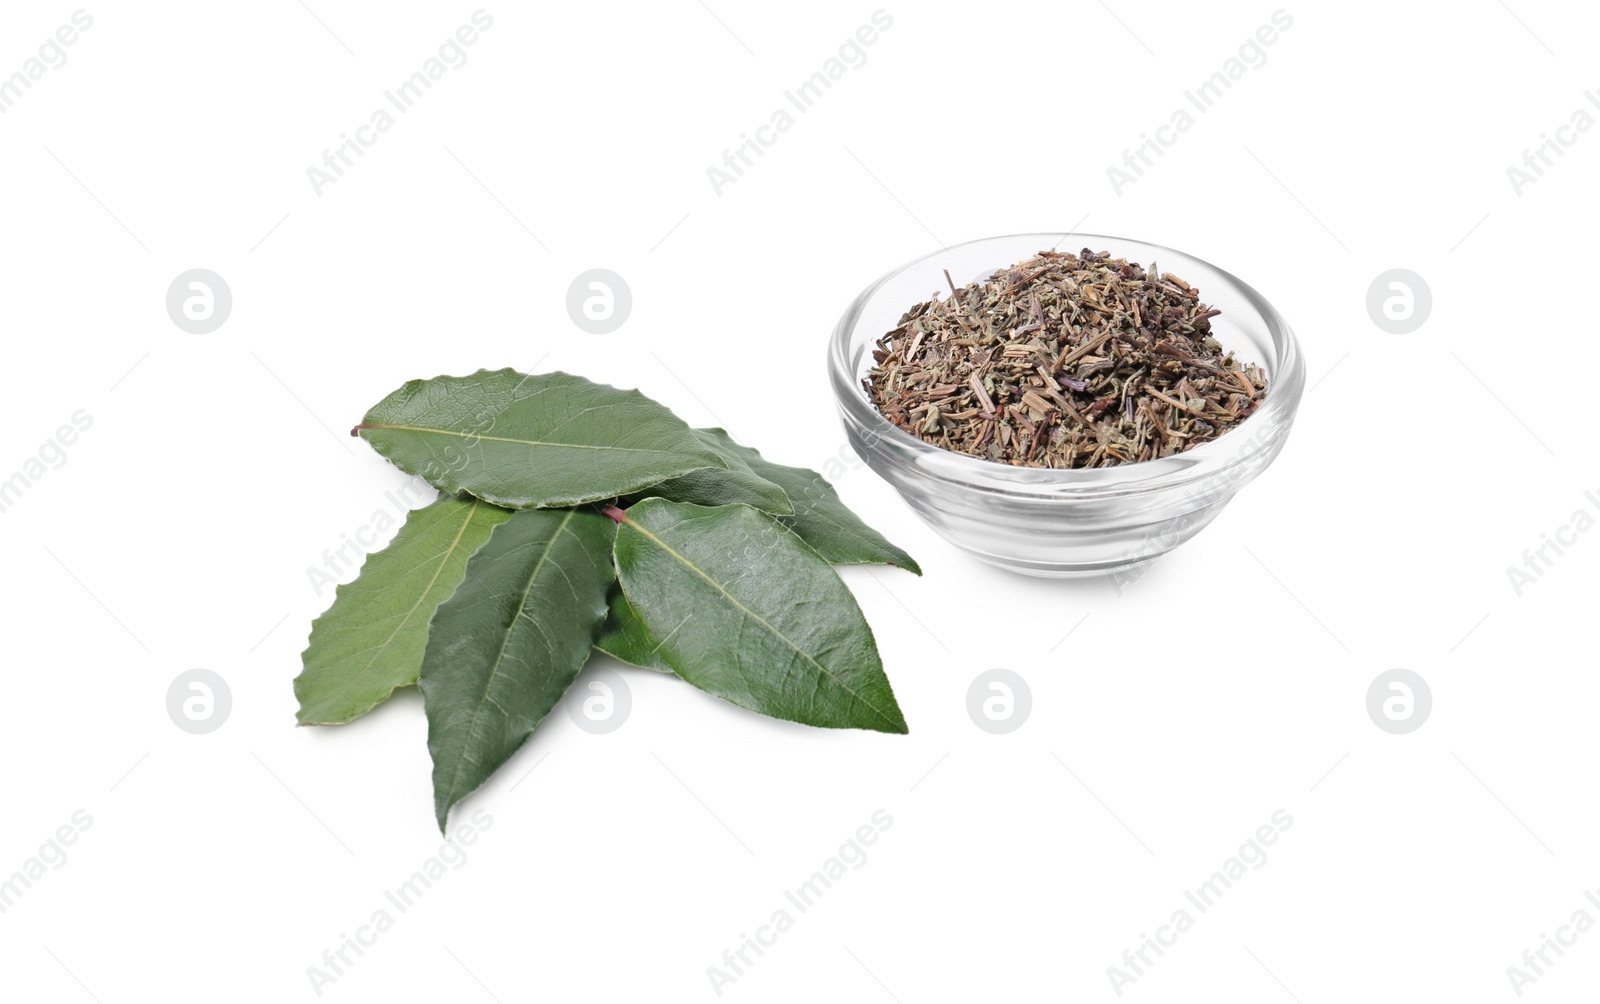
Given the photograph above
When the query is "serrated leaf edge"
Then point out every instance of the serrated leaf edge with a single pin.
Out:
(443, 559)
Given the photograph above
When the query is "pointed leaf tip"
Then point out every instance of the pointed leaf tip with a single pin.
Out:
(505, 647)
(743, 609)
(820, 517)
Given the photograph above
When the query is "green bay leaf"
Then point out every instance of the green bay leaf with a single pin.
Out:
(744, 610)
(506, 646)
(371, 640)
(625, 637)
(734, 484)
(523, 441)
(820, 518)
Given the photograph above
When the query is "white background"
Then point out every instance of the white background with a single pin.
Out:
(1228, 683)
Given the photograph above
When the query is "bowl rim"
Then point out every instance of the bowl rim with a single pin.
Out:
(1261, 431)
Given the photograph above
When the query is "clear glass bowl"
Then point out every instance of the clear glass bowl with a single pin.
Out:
(1062, 523)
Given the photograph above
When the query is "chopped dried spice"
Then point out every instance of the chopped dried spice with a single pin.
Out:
(1063, 361)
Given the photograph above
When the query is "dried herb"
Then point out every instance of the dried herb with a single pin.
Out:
(1063, 361)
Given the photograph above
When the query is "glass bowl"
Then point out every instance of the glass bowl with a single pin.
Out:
(1065, 523)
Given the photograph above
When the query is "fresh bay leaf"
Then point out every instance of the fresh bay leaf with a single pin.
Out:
(371, 639)
(533, 441)
(506, 646)
(744, 610)
(734, 484)
(625, 637)
(820, 518)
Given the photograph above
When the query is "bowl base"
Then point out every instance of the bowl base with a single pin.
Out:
(1051, 570)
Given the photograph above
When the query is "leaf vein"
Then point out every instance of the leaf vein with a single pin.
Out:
(760, 620)
(494, 673)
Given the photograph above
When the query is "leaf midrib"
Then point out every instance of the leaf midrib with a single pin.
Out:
(524, 442)
(759, 620)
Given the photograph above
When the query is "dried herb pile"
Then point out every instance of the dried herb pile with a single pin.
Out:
(1063, 361)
